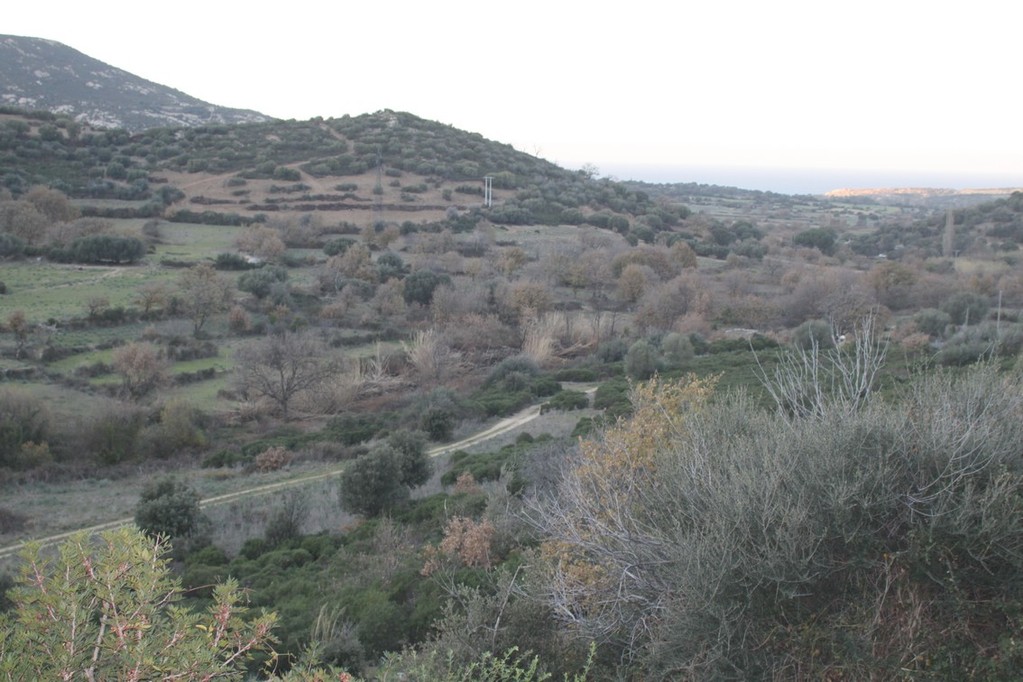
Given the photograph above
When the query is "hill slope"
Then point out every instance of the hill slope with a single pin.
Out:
(47, 75)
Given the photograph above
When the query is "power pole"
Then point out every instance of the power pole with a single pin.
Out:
(488, 191)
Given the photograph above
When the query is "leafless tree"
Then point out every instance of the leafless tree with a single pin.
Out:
(283, 365)
(142, 368)
(203, 293)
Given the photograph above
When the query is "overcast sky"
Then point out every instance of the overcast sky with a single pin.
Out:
(921, 89)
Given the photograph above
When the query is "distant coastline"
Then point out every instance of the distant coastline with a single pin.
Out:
(814, 181)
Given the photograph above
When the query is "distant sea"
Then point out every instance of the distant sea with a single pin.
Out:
(809, 180)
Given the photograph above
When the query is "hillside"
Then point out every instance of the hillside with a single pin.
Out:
(286, 344)
(46, 75)
(373, 167)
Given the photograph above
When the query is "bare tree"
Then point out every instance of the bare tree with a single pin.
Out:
(813, 382)
(203, 293)
(142, 368)
(150, 296)
(19, 325)
(282, 366)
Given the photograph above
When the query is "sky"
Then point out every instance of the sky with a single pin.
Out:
(793, 95)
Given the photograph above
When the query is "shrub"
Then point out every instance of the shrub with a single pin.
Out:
(438, 423)
(966, 307)
(516, 366)
(24, 418)
(677, 350)
(641, 360)
(565, 401)
(260, 282)
(11, 522)
(813, 333)
(102, 248)
(113, 436)
(286, 521)
(420, 285)
(414, 464)
(352, 429)
(170, 509)
(272, 459)
(749, 540)
(932, 322)
(577, 374)
(11, 246)
(372, 483)
(233, 261)
(337, 246)
(816, 238)
(612, 351)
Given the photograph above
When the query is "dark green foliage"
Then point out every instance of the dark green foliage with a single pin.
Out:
(585, 427)
(612, 351)
(966, 307)
(420, 285)
(414, 464)
(372, 484)
(225, 458)
(102, 248)
(169, 508)
(260, 282)
(352, 429)
(233, 261)
(932, 322)
(438, 423)
(578, 374)
(112, 437)
(286, 521)
(983, 341)
(514, 366)
(641, 360)
(565, 401)
(613, 397)
(23, 419)
(337, 246)
(210, 218)
(813, 332)
(677, 350)
(511, 385)
(390, 266)
(488, 466)
(11, 246)
(816, 238)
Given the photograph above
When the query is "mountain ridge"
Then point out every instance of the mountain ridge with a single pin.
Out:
(43, 74)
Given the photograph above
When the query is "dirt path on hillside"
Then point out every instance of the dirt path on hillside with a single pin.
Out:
(503, 426)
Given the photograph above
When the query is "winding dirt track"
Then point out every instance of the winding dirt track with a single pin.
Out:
(524, 417)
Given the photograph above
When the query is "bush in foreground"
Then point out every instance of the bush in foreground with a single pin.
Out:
(866, 540)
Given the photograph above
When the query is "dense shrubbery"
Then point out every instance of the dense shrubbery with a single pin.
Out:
(759, 546)
(512, 384)
(103, 248)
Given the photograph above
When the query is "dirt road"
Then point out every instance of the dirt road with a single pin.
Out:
(524, 417)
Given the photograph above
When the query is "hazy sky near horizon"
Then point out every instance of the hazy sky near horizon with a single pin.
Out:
(900, 86)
